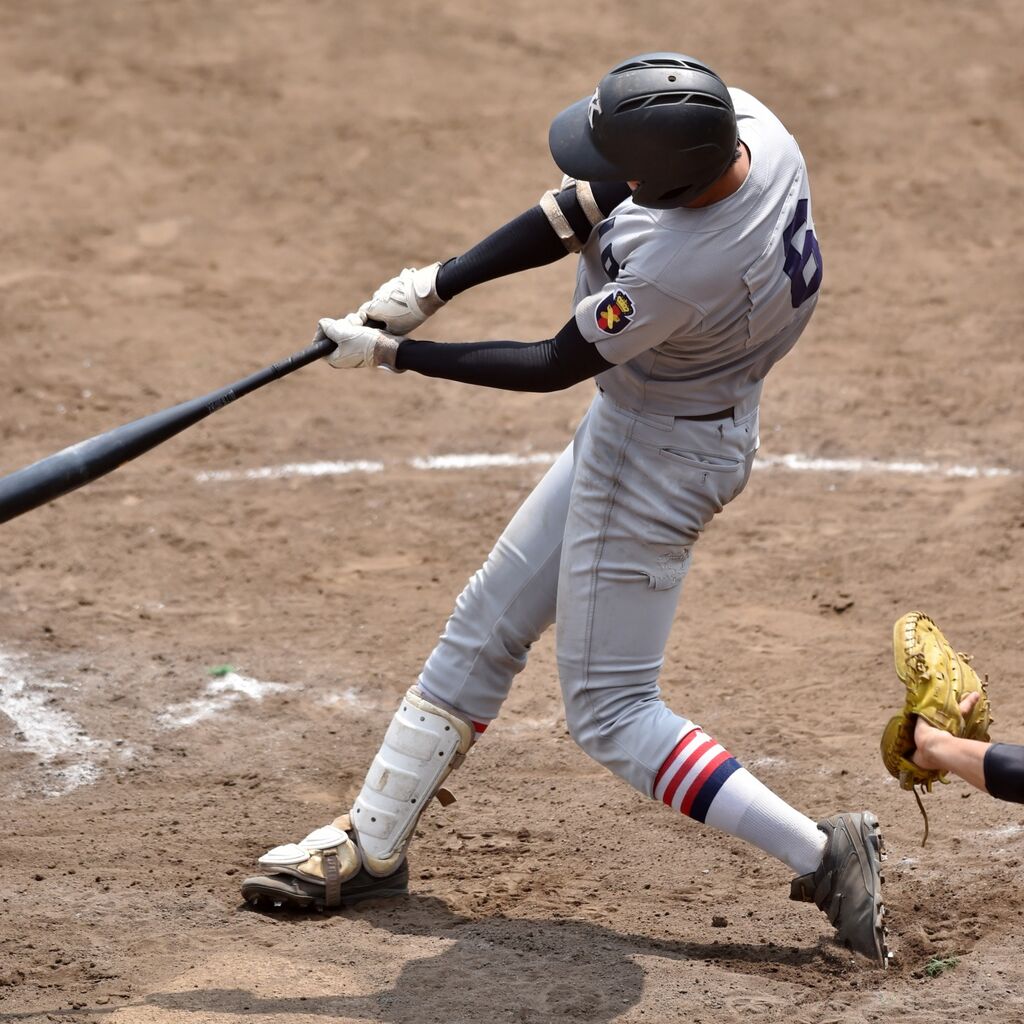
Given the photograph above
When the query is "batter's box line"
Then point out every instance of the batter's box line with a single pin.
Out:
(794, 462)
(66, 755)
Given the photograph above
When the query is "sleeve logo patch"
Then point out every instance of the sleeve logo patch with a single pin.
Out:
(614, 312)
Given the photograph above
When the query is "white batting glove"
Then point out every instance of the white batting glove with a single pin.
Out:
(404, 302)
(358, 345)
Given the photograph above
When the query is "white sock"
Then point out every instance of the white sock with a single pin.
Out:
(701, 779)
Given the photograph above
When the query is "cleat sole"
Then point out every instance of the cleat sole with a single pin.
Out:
(286, 892)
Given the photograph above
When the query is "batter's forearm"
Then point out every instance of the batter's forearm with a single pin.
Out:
(550, 365)
(521, 244)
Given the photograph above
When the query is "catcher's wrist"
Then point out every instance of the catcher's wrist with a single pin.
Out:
(928, 744)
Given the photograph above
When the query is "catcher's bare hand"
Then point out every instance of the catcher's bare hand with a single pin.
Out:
(924, 734)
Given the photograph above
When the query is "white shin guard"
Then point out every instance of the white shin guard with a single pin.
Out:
(422, 746)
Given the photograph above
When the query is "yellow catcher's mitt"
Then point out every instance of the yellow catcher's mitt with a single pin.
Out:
(937, 679)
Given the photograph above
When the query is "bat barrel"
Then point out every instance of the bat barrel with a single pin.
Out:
(86, 461)
(81, 463)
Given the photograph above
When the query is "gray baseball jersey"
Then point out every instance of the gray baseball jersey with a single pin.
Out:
(695, 306)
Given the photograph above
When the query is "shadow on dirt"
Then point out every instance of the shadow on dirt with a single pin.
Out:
(499, 968)
(505, 968)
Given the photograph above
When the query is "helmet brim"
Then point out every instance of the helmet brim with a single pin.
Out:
(572, 146)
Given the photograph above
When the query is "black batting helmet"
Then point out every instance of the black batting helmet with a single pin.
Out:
(663, 119)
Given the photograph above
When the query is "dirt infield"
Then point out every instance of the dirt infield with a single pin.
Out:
(194, 668)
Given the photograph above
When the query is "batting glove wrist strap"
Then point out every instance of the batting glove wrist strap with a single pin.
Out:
(359, 345)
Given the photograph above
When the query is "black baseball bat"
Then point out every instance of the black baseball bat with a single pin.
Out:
(67, 470)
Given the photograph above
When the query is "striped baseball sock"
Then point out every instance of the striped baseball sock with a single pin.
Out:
(701, 779)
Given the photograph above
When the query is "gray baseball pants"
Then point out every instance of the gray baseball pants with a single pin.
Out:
(600, 547)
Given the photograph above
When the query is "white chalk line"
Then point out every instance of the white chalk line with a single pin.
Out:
(69, 757)
(481, 460)
(767, 762)
(220, 694)
(354, 700)
(1004, 831)
(46, 731)
(292, 469)
(806, 463)
(794, 461)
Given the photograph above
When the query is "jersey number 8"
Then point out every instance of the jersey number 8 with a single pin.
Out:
(803, 256)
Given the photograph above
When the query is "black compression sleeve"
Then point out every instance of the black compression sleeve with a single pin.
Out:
(550, 365)
(1004, 772)
(523, 243)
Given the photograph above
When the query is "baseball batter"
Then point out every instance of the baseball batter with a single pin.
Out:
(699, 268)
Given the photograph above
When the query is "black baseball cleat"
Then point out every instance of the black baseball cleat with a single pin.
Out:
(280, 892)
(847, 884)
